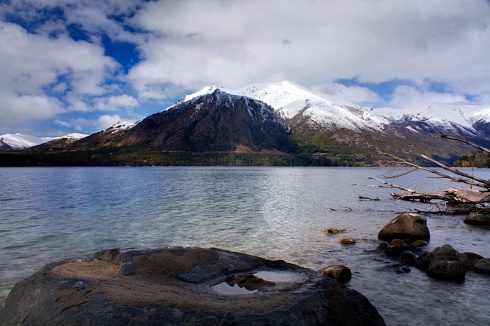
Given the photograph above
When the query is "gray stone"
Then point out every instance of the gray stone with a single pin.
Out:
(473, 258)
(482, 266)
(179, 286)
(340, 273)
(445, 251)
(419, 243)
(424, 261)
(447, 269)
(408, 258)
(477, 219)
(406, 226)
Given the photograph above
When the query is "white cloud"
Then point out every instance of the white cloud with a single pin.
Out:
(313, 42)
(355, 94)
(30, 63)
(114, 103)
(407, 96)
(188, 44)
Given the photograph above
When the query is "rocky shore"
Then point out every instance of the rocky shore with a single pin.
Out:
(183, 286)
(406, 235)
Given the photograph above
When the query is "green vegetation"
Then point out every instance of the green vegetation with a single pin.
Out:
(139, 157)
(474, 160)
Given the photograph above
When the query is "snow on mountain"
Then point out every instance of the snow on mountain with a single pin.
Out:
(121, 125)
(446, 116)
(20, 141)
(290, 100)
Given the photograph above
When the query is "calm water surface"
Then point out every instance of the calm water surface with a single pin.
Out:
(51, 214)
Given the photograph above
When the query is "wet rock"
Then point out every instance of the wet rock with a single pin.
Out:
(473, 258)
(408, 258)
(350, 308)
(448, 264)
(334, 231)
(347, 241)
(382, 246)
(395, 251)
(445, 251)
(174, 286)
(398, 268)
(447, 269)
(406, 226)
(418, 243)
(248, 281)
(340, 273)
(477, 219)
(482, 266)
(396, 242)
(424, 260)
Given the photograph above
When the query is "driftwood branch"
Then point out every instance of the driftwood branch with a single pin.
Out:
(454, 200)
(486, 150)
(482, 183)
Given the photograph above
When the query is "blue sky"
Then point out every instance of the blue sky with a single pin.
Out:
(82, 65)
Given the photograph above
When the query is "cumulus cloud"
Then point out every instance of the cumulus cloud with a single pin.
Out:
(33, 66)
(236, 43)
(355, 94)
(55, 61)
(407, 96)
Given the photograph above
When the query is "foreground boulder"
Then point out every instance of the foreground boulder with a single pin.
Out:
(409, 226)
(183, 286)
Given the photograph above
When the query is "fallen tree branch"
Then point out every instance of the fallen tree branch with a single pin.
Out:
(486, 150)
(483, 183)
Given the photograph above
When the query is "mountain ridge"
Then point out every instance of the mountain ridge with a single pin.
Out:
(290, 124)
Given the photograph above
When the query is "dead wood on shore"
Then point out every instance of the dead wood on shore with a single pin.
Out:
(457, 200)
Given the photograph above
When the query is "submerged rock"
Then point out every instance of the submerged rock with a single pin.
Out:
(406, 226)
(175, 286)
(347, 241)
(334, 231)
(340, 273)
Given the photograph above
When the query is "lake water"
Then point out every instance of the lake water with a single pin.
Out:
(49, 214)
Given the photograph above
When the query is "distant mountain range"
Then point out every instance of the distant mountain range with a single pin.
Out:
(275, 124)
(20, 141)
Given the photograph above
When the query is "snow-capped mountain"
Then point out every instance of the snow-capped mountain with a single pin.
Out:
(121, 125)
(293, 101)
(20, 141)
(216, 121)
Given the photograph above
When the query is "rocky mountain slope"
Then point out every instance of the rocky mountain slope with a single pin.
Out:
(292, 102)
(217, 121)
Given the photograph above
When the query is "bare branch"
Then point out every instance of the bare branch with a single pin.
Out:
(484, 183)
(486, 150)
(390, 185)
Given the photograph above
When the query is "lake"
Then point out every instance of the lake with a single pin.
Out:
(49, 214)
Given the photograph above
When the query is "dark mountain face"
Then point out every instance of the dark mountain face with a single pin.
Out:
(214, 122)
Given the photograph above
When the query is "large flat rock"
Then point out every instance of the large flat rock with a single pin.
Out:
(182, 286)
